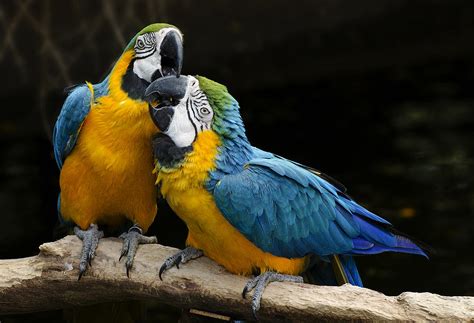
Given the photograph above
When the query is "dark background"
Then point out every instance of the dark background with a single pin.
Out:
(377, 94)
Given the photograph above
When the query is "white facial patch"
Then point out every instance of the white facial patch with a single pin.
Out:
(191, 116)
(147, 53)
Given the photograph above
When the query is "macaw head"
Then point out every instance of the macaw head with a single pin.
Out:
(156, 51)
(183, 107)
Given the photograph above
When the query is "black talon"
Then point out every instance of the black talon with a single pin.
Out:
(124, 252)
(90, 240)
(131, 240)
(259, 283)
(180, 258)
(162, 269)
(244, 292)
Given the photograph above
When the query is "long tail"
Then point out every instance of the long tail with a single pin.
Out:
(377, 235)
(345, 267)
(376, 238)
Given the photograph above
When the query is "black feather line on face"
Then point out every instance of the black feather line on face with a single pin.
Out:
(133, 85)
(147, 55)
(191, 119)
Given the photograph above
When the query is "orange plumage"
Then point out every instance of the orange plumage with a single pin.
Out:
(108, 176)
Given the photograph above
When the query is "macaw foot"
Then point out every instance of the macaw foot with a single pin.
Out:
(181, 257)
(131, 240)
(90, 240)
(261, 281)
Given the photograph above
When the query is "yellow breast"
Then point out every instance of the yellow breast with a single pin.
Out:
(209, 231)
(108, 175)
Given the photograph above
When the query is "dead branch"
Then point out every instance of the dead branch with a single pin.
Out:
(49, 281)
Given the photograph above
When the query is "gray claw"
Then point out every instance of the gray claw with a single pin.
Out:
(261, 281)
(131, 240)
(180, 257)
(90, 240)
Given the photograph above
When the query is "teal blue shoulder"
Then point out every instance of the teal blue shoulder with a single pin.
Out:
(73, 113)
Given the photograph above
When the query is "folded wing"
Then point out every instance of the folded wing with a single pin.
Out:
(73, 113)
(289, 211)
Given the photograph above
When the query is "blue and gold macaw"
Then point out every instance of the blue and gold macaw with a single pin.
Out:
(249, 210)
(102, 144)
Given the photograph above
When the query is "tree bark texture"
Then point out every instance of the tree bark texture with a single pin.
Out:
(48, 281)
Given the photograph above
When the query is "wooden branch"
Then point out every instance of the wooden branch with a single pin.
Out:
(49, 281)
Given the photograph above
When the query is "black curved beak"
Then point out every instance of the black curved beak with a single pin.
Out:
(171, 51)
(166, 92)
(167, 87)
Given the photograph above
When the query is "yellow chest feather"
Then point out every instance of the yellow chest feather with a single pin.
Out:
(108, 175)
(209, 231)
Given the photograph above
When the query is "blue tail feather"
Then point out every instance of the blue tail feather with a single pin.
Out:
(350, 269)
(377, 237)
(403, 245)
(322, 272)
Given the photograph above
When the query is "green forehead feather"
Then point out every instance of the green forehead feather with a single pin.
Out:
(227, 121)
(216, 93)
(148, 29)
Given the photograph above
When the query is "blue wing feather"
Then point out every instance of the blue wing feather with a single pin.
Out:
(66, 130)
(73, 113)
(350, 269)
(285, 209)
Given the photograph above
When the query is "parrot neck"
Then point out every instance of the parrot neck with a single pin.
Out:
(124, 84)
(205, 162)
(166, 153)
(123, 110)
(133, 85)
(231, 158)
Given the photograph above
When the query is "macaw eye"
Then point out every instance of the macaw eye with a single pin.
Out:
(205, 111)
(145, 45)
